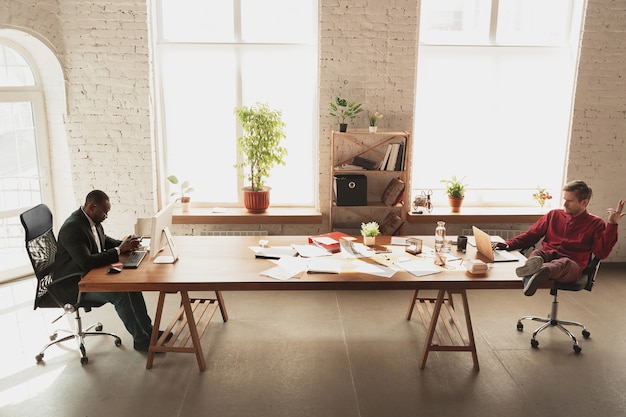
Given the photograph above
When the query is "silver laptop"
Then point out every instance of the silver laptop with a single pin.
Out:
(483, 246)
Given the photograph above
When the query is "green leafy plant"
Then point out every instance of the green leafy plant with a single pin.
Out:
(370, 229)
(260, 145)
(184, 187)
(455, 187)
(374, 118)
(342, 109)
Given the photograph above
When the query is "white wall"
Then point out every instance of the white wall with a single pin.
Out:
(368, 52)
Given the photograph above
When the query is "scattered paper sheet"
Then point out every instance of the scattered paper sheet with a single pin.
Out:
(418, 266)
(286, 268)
(310, 251)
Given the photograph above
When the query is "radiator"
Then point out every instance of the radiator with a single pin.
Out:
(235, 233)
(504, 234)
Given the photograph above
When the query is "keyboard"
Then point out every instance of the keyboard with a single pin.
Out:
(134, 259)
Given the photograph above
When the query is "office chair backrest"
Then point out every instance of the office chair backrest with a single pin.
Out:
(590, 271)
(41, 246)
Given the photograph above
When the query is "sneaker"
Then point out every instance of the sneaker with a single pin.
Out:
(531, 267)
(536, 280)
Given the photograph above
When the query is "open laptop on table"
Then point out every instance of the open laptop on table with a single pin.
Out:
(483, 246)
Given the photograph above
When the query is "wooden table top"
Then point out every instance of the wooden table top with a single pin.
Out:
(226, 263)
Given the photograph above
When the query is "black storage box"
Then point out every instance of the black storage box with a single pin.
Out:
(351, 190)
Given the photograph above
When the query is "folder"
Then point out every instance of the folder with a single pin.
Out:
(329, 241)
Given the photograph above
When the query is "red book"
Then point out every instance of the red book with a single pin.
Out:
(330, 241)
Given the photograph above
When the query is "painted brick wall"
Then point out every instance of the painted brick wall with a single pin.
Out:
(367, 53)
(597, 152)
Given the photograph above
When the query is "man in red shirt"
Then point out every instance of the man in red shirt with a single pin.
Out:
(570, 235)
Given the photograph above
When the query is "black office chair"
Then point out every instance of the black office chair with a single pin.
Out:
(41, 246)
(585, 282)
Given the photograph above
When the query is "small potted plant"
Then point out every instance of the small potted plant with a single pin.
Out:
(373, 119)
(369, 231)
(185, 188)
(260, 146)
(455, 189)
(344, 110)
(541, 196)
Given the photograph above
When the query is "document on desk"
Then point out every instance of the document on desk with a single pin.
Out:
(372, 267)
(418, 266)
(310, 251)
(324, 266)
(273, 252)
(286, 268)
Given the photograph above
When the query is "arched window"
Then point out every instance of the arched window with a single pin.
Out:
(24, 169)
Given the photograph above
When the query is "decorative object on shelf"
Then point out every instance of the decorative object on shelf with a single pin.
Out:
(369, 231)
(455, 188)
(373, 119)
(391, 224)
(541, 196)
(261, 148)
(344, 110)
(423, 201)
(184, 188)
(394, 192)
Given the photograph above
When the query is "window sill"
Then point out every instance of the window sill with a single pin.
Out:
(479, 215)
(239, 215)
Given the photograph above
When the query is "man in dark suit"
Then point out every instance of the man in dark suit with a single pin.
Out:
(83, 245)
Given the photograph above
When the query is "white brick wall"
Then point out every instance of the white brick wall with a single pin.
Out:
(367, 53)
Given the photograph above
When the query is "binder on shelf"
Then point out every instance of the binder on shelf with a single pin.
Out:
(383, 164)
(330, 241)
(364, 163)
(393, 157)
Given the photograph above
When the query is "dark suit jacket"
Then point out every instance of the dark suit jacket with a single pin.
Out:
(78, 253)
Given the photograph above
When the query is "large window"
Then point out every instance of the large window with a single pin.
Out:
(495, 83)
(24, 176)
(214, 56)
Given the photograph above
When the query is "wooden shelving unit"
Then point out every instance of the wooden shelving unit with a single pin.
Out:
(346, 146)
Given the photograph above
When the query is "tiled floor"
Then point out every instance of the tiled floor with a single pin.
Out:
(348, 354)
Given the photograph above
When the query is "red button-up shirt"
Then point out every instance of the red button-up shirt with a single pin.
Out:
(572, 237)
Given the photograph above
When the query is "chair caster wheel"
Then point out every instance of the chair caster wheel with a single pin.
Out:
(84, 360)
(99, 328)
(118, 342)
(577, 349)
(534, 343)
(586, 334)
(39, 357)
(520, 326)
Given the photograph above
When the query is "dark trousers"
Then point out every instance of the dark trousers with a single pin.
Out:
(561, 269)
(131, 307)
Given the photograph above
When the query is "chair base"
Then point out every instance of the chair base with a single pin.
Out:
(79, 335)
(552, 321)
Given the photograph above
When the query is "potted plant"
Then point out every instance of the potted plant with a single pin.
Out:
(373, 119)
(455, 188)
(344, 110)
(260, 146)
(369, 231)
(185, 188)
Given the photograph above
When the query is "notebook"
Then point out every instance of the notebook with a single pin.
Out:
(483, 246)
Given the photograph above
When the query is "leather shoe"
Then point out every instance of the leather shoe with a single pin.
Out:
(144, 345)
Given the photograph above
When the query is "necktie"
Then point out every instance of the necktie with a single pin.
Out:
(97, 237)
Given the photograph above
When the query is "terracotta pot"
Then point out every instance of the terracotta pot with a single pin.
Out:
(455, 203)
(256, 201)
